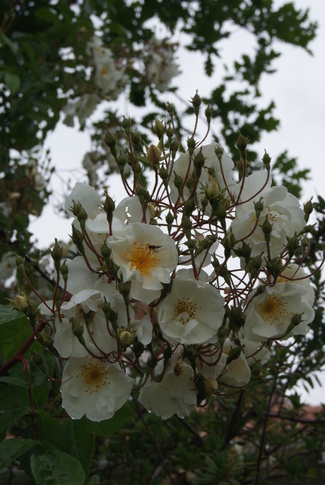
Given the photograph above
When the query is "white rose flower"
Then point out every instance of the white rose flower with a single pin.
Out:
(192, 313)
(281, 209)
(109, 78)
(95, 333)
(146, 256)
(269, 314)
(85, 195)
(174, 394)
(223, 172)
(82, 108)
(237, 373)
(94, 388)
(255, 351)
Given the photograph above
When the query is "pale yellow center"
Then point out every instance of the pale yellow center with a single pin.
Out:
(273, 309)
(272, 216)
(185, 310)
(94, 374)
(142, 257)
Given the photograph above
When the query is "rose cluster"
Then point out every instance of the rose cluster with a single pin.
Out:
(180, 291)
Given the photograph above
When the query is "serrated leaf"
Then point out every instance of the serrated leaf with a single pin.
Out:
(56, 468)
(12, 449)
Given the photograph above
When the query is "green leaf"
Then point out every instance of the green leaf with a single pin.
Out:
(56, 468)
(9, 314)
(15, 381)
(12, 449)
(12, 81)
(68, 436)
(10, 416)
(14, 330)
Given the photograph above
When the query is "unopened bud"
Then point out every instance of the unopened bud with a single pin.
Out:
(211, 385)
(77, 238)
(56, 254)
(266, 160)
(136, 138)
(110, 141)
(109, 207)
(80, 213)
(267, 229)
(208, 114)
(126, 124)
(159, 128)
(191, 145)
(126, 338)
(170, 108)
(241, 143)
(64, 270)
(213, 190)
(259, 206)
(46, 340)
(196, 102)
(154, 155)
(20, 303)
(308, 209)
(77, 328)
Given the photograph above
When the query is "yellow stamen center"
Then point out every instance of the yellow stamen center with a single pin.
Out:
(142, 257)
(273, 310)
(185, 310)
(94, 374)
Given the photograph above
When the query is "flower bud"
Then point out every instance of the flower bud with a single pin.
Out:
(213, 190)
(234, 354)
(170, 108)
(275, 267)
(196, 102)
(159, 128)
(292, 245)
(77, 327)
(136, 139)
(241, 142)
(174, 147)
(254, 266)
(178, 181)
(267, 229)
(110, 141)
(64, 270)
(191, 145)
(154, 155)
(266, 160)
(126, 338)
(109, 206)
(20, 303)
(211, 385)
(208, 114)
(80, 214)
(126, 124)
(77, 238)
(56, 254)
(170, 132)
(169, 220)
(259, 206)
(308, 209)
(46, 340)
(143, 195)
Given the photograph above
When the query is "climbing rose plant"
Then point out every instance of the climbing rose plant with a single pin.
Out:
(180, 290)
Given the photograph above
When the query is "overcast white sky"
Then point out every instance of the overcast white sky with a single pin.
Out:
(298, 89)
